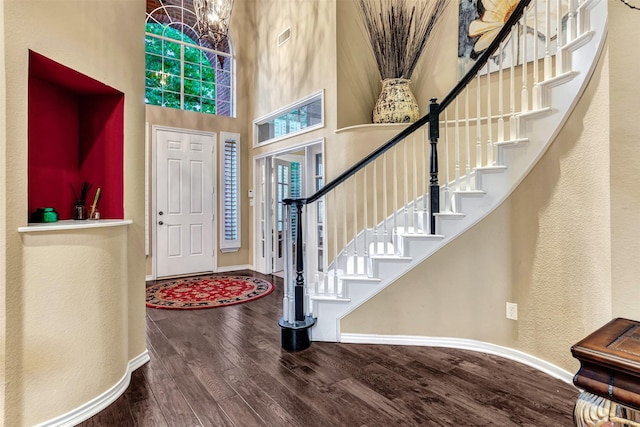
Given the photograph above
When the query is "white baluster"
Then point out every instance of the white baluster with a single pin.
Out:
(415, 179)
(385, 231)
(547, 38)
(394, 205)
(406, 186)
(447, 177)
(536, 61)
(490, 160)
(425, 183)
(512, 84)
(500, 95)
(456, 158)
(572, 30)
(524, 97)
(355, 223)
(325, 243)
(478, 124)
(335, 241)
(559, 38)
(365, 256)
(375, 207)
(345, 233)
(467, 140)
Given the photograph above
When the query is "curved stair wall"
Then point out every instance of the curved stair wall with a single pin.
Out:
(481, 166)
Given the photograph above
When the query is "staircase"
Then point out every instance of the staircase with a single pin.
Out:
(388, 213)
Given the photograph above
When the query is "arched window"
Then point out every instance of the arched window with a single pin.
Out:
(183, 71)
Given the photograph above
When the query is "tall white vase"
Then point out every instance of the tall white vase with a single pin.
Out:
(396, 103)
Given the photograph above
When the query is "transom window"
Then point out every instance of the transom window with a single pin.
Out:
(183, 71)
(302, 116)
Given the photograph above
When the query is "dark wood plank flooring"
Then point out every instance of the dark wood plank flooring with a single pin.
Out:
(225, 367)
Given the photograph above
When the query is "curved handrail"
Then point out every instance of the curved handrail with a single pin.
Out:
(458, 88)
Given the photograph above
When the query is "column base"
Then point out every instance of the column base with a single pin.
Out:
(296, 336)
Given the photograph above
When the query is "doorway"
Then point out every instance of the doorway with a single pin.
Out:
(183, 202)
(297, 172)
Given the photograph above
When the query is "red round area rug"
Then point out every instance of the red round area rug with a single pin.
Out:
(206, 292)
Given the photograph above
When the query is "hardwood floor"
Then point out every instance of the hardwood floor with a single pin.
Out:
(224, 367)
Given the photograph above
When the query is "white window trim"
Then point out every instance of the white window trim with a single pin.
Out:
(229, 245)
(285, 109)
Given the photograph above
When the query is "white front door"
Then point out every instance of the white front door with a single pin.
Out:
(184, 203)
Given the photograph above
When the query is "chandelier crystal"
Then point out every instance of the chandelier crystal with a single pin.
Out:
(212, 19)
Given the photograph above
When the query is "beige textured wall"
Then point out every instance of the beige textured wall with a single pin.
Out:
(550, 252)
(3, 215)
(75, 318)
(625, 162)
(103, 40)
(301, 66)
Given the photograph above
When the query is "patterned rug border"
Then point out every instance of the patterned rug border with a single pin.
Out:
(166, 283)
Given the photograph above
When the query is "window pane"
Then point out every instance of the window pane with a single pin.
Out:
(192, 103)
(171, 66)
(192, 54)
(153, 79)
(192, 70)
(172, 83)
(294, 121)
(208, 74)
(153, 62)
(191, 87)
(314, 112)
(153, 96)
(208, 106)
(171, 99)
(171, 49)
(223, 108)
(153, 45)
(208, 90)
(224, 78)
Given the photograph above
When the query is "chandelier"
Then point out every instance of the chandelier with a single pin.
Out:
(212, 19)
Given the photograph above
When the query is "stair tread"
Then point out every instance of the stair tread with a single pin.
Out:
(329, 298)
(425, 236)
(470, 192)
(509, 142)
(453, 215)
(359, 277)
(392, 257)
(494, 168)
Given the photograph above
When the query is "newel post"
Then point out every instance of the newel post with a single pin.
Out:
(295, 324)
(434, 186)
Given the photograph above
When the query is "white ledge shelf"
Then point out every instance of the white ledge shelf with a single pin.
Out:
(71, 224)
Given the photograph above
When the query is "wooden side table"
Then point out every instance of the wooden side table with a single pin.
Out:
(609, 375)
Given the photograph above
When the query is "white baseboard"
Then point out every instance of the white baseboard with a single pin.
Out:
(92, 407)
(234, 268)
(149, 278)
(463, 344)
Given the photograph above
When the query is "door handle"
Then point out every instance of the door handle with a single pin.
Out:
(160, 223)
(160, 213)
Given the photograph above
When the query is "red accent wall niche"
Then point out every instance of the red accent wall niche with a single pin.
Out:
(76, 135)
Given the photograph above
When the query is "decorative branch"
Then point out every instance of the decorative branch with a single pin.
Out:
(398, 32)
